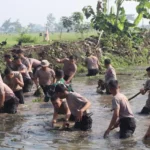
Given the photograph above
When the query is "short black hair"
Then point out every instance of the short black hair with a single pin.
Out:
(59, 73)
(7, 71)
(73, 57)
(107, 61)
(113, 84)
(148, 69)
(16, 58)
(60, 88)
(19, 51)
(7, 56)
(54, 98)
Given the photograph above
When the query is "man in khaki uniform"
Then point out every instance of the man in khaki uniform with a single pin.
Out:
(15, 81)
(146, 108)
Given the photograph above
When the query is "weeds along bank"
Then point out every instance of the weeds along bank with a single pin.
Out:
(121, 50)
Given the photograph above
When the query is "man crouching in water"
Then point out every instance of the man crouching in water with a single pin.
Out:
(60, 107)
(8, 101)
(78, 106)
(122, 115)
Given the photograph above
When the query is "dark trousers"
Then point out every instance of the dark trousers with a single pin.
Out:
(92, 72)
(20, 96)
(35, 69)
(28, 83)
(145, 111)
(45, 88)
(107, 90)
(127, 127)
(85, 124)
(10, 106)
(66, 77)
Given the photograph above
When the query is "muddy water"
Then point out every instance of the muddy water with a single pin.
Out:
(28, 129)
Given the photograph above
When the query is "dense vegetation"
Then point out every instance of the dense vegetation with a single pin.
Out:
(122, 41)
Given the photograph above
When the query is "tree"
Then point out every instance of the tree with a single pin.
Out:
(16, 25)
(67, 23)
(77, 17)
(59, 28)
(5, 26)
(34, 28)
(50, 22)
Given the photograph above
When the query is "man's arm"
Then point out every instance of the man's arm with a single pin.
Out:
(60, 60)
(71, 77)
(20, 80)
(35, 79)
(147, 135)
(83, 109)
(113, 121)
(2, 100)
(23, 71)
(68, 113)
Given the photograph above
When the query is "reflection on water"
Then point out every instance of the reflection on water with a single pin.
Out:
(27, 129)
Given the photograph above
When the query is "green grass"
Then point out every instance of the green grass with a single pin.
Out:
(12, 38)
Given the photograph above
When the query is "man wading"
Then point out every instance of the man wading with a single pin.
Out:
(110, 74)
(146, 108)
(45, 75)
(92, 64)
(122, 115)
(69, 68)
(78, 106)
(26, 77)
(8, 100)
(15, 81)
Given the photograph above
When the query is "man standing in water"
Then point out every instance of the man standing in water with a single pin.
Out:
(92, 64)
(24, 59)
(9, 63)
(78, 105)
(69, 68)
(15, 81)
(26, 77)
(122, 115)
(110, 74)
(45, 75)
(146, 108)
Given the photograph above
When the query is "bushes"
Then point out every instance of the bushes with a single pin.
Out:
(26, 39)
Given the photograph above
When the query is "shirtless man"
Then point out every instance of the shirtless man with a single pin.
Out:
(69, 68)
(92, 64)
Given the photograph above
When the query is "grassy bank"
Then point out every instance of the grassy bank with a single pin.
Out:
(12, 38)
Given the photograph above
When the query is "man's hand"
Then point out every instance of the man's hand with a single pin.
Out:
(52, 123)
(66, 124)
(57, 59)
(147, 135)
(79, 115)
(106, 133)
(142, 91)
(67, 82)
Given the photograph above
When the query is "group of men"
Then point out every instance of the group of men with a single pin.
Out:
(22, 72)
